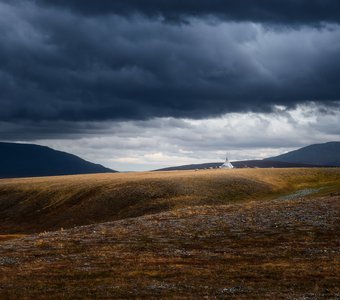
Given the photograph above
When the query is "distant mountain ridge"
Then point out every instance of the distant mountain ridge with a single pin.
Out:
(28, 160)
(241, 164)
(317, 155)
(327, 154)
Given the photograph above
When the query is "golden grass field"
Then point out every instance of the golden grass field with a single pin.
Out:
(242, 233)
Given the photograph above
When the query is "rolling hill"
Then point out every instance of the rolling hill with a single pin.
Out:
(48, 203)
(212, 234)
(27, 160)
(327, 154)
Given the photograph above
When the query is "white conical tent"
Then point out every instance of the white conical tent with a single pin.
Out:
(227, 164)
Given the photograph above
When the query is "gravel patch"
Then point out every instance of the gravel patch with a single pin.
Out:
(300, 193)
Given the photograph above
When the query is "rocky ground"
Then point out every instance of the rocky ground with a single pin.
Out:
(288, 248)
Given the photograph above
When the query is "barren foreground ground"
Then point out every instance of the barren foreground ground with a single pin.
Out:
(257, 234)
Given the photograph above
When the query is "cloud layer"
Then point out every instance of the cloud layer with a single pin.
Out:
(139, 83)
(59, 65)
(272, 11)
(161, 142)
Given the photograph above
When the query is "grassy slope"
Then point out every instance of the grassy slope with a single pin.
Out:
(215, 238)
(257, 250)
(35, 205)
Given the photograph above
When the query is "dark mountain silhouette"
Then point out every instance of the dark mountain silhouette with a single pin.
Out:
(327, 154)
(26, 160)
(241, 164)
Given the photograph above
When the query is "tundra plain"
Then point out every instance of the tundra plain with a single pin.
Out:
(242, 233)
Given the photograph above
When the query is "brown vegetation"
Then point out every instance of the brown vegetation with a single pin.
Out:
(38, 204)
(255, 234)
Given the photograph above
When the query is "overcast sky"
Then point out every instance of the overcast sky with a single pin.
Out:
(137, 85)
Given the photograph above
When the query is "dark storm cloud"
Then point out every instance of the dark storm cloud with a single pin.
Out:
(59, 65)
(272, 11)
